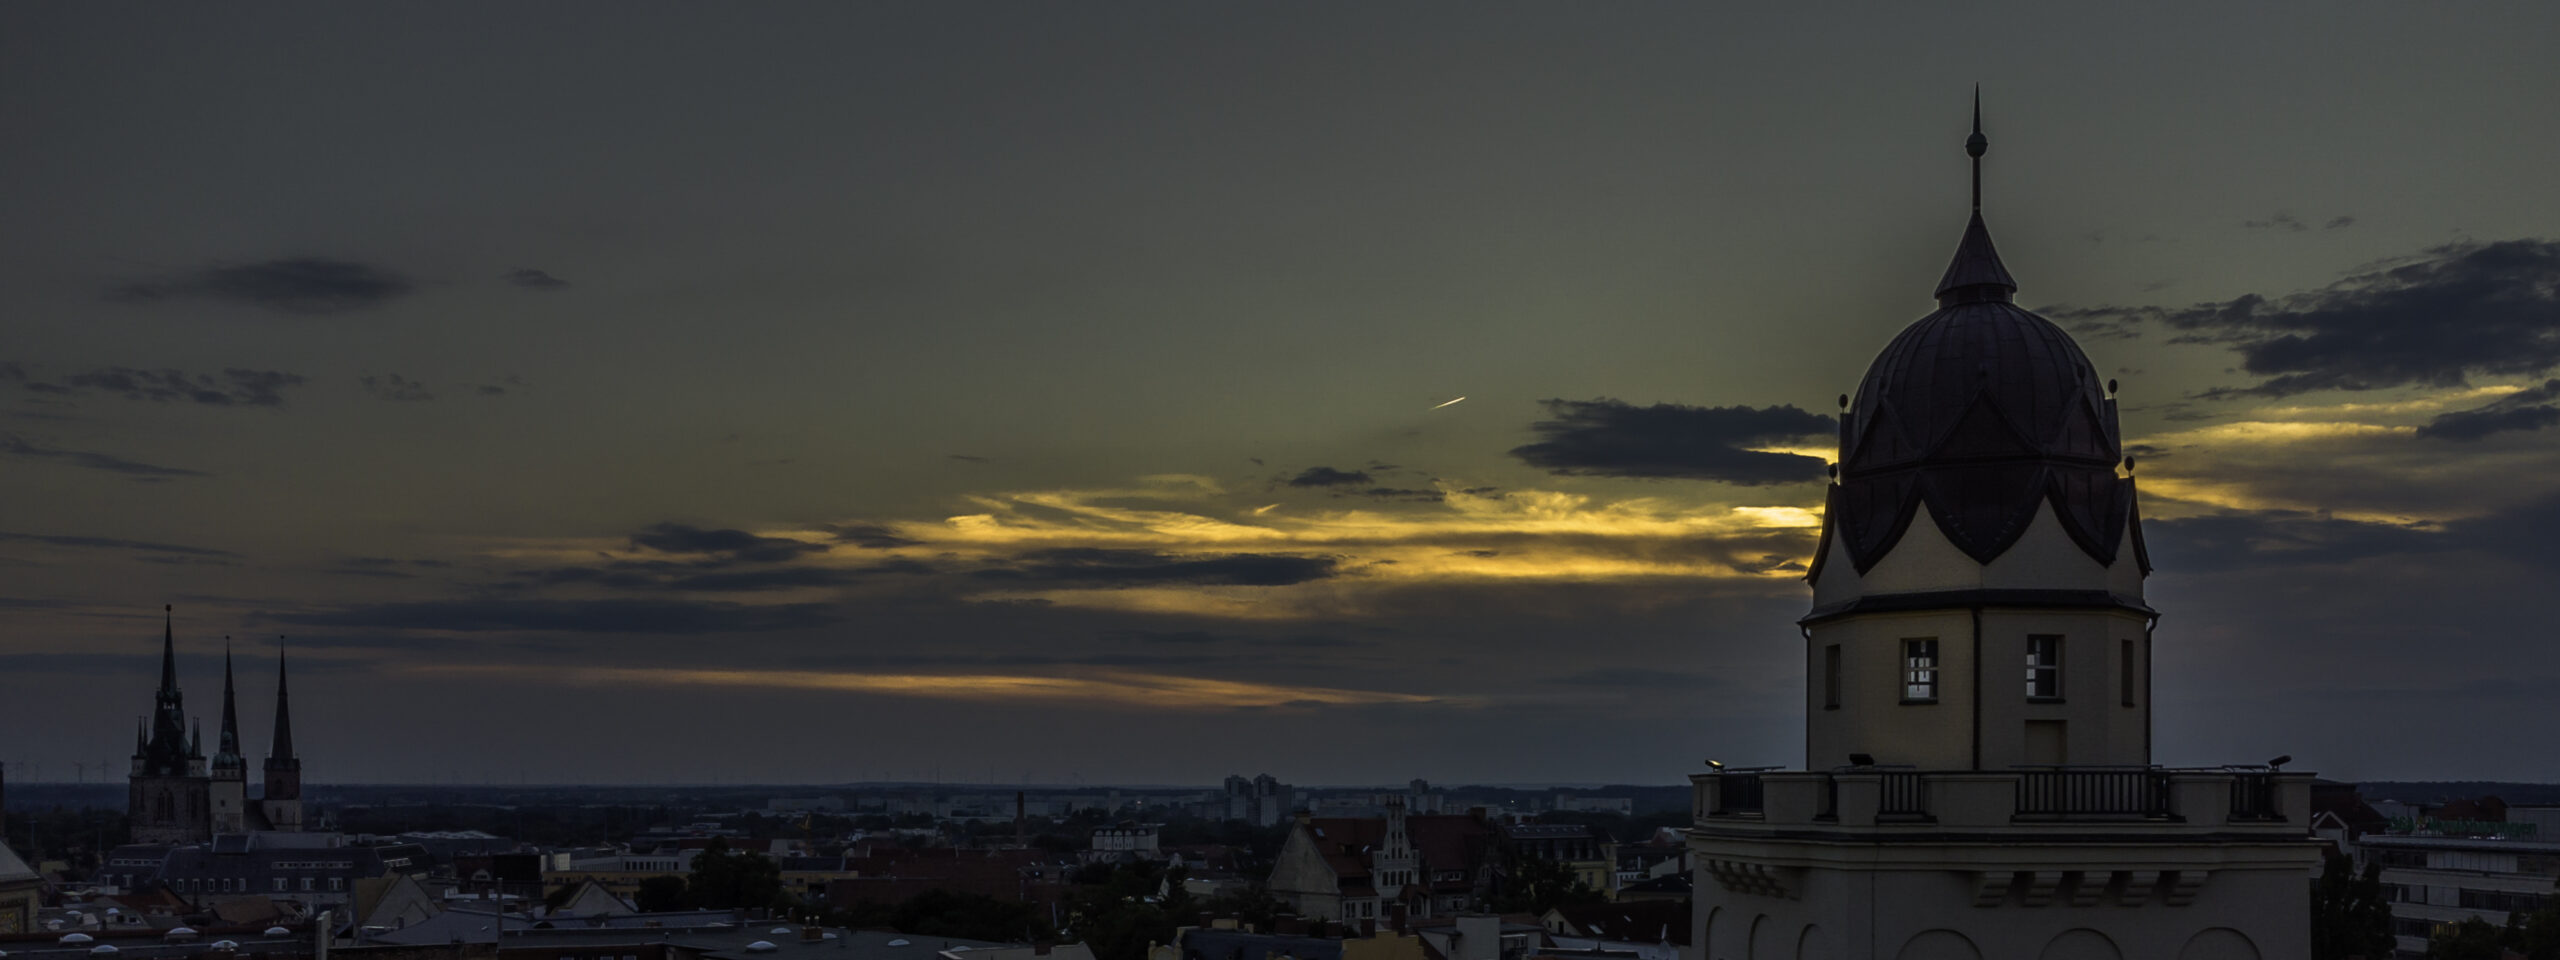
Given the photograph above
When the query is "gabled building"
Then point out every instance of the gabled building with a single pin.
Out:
(1368, 868)
(21, 891)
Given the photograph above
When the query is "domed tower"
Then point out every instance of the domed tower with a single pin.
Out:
(1978, 586)
(1977, 778)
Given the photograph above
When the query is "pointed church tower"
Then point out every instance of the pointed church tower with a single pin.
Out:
(167, 793)
(282, 802)
(1977, 778)
(229, 780)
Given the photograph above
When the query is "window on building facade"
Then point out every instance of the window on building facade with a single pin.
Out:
(1920, 670)
(279, 884)
(1831, 677)
(2044, 667)
(306, 883)
(2125, 680)
(337, 883)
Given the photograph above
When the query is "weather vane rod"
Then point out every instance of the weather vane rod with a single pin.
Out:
(1974, 145)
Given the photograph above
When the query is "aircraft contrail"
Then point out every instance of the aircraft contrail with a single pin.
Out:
(1446, 404)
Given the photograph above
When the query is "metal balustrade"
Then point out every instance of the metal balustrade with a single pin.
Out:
(1738, 793)
(2035, 794)
(1906, 794)
(2093, 793)
(2253, 797)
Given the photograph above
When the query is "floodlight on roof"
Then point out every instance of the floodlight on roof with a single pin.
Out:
(1862, 760)
(2280, 761)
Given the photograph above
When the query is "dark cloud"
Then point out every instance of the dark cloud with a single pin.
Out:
(1329, 477)
(2238, 539)
(112, 543)
(731, 545)
(966, 458)
(233, 387)
(1129, 568)
(1186, 637)
(778, 578)
(2339, 223)
(2529, 409)
(532, 279)
(870, 536)
(2279, 221)
(396, 388)
(17, 446)
(385, 567)
(501, 385)
(1405, 494)
(129, 665)
(1613, 438)
(292, 285)
(581, 616)
(2434, 320)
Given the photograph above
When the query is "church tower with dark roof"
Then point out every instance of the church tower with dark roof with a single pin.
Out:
(167, 795)
(1978, 778)
(282, 802)
(230, 771)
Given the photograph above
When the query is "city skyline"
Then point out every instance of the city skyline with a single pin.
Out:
(687, 398)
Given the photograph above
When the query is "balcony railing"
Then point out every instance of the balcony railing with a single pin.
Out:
(2253, 797)
(1905, 795)
(1896, 798)
(2093, 793)
(1741, 795)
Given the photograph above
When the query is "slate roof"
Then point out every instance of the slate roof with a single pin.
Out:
(1984, 411)
(1642, 921)
(14, 868)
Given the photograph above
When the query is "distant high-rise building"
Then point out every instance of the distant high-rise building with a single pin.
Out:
(1261, 801)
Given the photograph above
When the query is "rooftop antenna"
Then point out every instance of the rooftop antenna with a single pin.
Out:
(1974, 147)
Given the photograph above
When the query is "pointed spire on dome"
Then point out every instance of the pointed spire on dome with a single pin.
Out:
(1976, 275)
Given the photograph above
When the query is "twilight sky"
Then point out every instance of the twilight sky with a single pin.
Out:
(669, 392)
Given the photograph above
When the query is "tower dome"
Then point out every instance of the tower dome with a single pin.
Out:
(1984, 412)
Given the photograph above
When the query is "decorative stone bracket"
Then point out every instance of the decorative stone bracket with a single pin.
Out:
(2084, 888)
(1753, 878)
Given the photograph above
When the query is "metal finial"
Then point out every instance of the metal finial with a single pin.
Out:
(1975, 145)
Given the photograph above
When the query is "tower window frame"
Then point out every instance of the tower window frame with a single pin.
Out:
(2125, 683)
(1920, 670)
(1831, 677)
(2044, 668)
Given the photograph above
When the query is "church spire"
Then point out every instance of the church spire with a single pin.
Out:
(1976, 274)
(168, 651)
(282, 747)
(227, 749)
